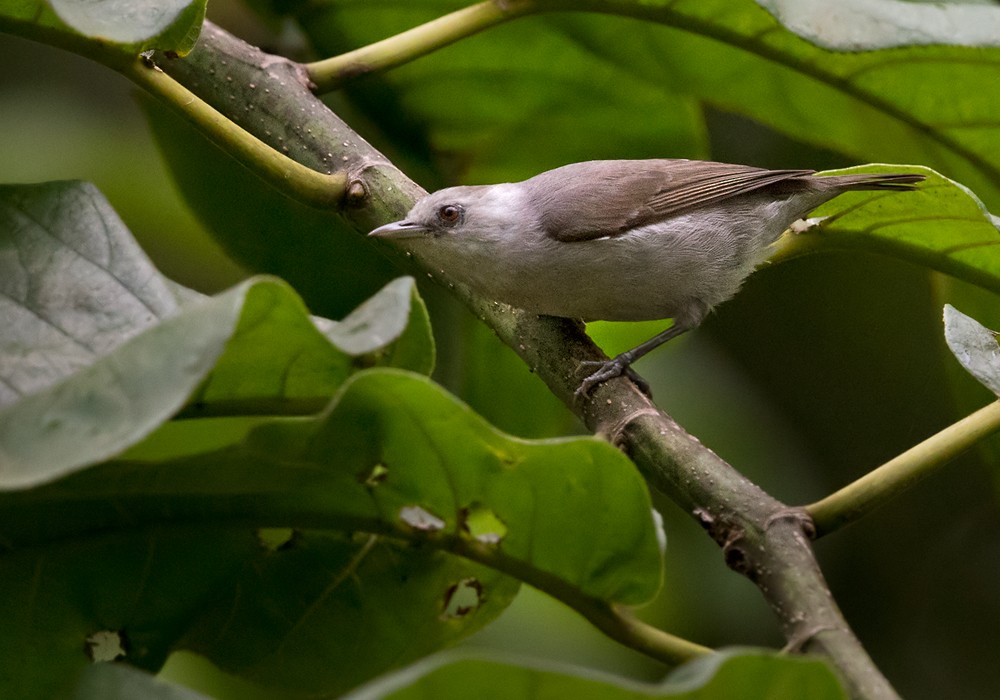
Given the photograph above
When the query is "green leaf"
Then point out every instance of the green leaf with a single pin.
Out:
(332, 267)
(525, 87)
(117, 682)
(928, 104)
(126, 27)
(97, 353)
(325, 613)
(393, 323)
(324, 610)
(975, 346)
(68, 603)
(942, 226)
(392, 454)
(729, 675)
(320, 612)
(73, 284)
(279, 357)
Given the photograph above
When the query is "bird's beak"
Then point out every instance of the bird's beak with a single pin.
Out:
(399, 229)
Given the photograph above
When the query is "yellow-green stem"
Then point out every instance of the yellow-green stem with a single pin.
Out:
(616, 621)
(402, 48)
(286, 175)
(861, 497)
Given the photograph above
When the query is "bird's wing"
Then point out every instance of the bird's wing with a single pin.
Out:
(596, 199)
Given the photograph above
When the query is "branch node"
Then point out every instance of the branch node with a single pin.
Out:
(735, 555)
(615, 432)
(799, 641)
(357, 193)
(704, 518)
(797, 514)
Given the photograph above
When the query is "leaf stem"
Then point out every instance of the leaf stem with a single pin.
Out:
(875, 488)
(286, 175)
(402, 48)
(614, 620)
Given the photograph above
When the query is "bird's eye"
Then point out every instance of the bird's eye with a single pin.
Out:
(450, 214)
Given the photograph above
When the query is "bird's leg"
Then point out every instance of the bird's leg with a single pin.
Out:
(621, 364)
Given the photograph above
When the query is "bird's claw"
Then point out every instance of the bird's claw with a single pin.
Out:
(609, 369)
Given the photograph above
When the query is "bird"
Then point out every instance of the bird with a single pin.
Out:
(620, 240)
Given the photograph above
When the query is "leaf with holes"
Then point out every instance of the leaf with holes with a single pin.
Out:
(326, 608)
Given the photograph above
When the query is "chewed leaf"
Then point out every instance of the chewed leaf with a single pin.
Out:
(407, 522)
(975, 346)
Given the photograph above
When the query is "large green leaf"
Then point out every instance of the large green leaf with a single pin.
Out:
(927, 104)
(393, 456)
(97, 351)
(107, 30)
(317, 252)
(729, 675)
(519, 99)
(941, 226)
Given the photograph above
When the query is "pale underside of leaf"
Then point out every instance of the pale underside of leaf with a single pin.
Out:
(975, 346)
(866, 25)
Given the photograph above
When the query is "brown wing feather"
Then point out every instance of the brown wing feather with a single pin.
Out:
(590, 200)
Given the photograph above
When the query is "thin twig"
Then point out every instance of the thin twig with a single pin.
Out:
(614, 620)
(402, 48)
(284, 174)
(861, 497)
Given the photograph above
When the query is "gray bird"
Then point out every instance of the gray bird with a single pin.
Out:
(619, 240)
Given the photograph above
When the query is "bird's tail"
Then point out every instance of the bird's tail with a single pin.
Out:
(876, 181)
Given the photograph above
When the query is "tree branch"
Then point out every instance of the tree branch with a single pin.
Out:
(760, 537)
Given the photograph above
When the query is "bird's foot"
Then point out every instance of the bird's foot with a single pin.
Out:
(609, 369)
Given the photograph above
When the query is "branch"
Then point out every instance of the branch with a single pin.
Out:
(760, 537)
(270, 98)
(431, 36)
(281, 172)
(856, 500)
(331, 73)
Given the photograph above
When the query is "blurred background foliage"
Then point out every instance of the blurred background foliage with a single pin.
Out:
(820, 370)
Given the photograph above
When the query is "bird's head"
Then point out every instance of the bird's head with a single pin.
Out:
(461, 215)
